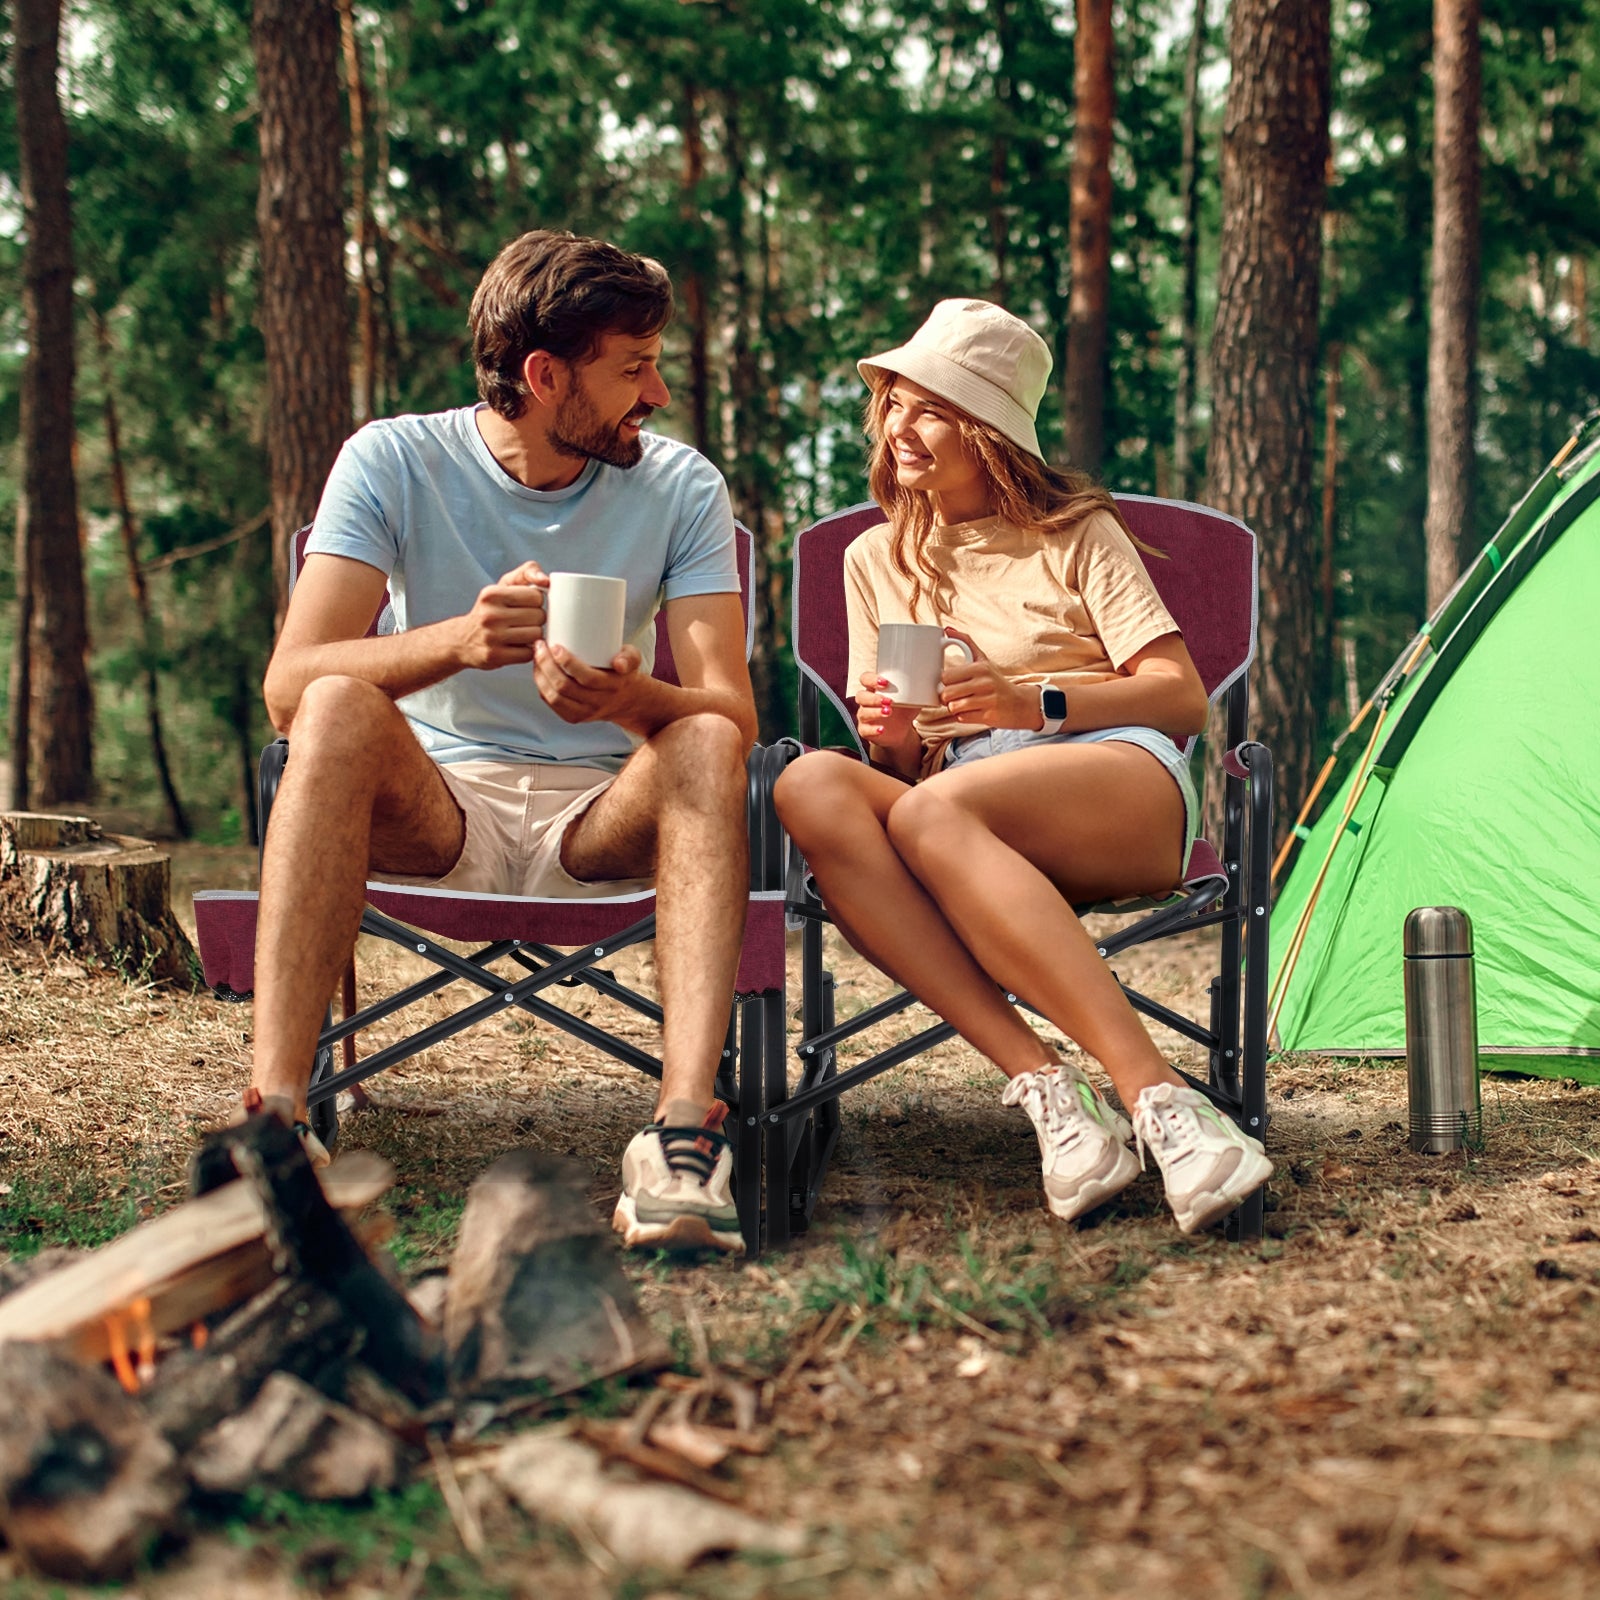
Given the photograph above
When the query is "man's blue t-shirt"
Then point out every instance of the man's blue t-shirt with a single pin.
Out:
(422, 499)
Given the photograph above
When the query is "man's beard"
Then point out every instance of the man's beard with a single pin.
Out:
(579, 430)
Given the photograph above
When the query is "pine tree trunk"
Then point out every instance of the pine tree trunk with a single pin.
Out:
(1094, 97)
(59, 709)
(136, 584)
(300, 217)
(1189, 301)
(694, 281)
(1264, 346)
(1453, 300)
(365, 382)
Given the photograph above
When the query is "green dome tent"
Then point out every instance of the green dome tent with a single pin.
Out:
(1478, 786)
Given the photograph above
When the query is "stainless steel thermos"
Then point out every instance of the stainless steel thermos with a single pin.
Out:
(1442, 1031)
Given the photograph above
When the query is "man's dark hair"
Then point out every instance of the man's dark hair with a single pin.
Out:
(562, 293)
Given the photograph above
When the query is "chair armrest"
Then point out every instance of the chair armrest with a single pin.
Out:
(765, 765)
(1240, 761)
(269, 774)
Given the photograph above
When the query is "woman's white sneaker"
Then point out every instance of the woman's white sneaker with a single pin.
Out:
(1082, 1141)
(1208, 1163)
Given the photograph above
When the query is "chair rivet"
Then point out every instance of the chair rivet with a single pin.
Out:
(599, 950)
(1102, 949)
(808, 1049)
(1228, 1054)
(510, 998)
(1261, 911)
(749, 1122)
(422, 949)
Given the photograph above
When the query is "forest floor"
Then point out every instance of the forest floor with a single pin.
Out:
(1395, 1394)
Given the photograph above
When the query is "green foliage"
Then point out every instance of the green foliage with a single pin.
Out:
(814, 174)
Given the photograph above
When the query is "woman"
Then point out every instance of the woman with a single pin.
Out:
(1048, 775)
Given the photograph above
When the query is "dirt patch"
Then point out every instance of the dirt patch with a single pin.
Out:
(1394, 1395)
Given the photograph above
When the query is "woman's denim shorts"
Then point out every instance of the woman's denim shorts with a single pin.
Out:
(1001, 741)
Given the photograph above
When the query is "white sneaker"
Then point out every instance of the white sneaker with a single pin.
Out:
(1208, 1163)
(1083, 1142)
(677, 1188)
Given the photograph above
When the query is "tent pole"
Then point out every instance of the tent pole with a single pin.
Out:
(1280, 989)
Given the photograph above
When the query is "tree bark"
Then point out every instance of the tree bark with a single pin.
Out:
(694, 280)
(1094, 98)
(136, 584)
(108, 898)
(1453, 297)
(1264, 346)
(58, 715)
(1189, 251)
(365, 383)
(300, 217)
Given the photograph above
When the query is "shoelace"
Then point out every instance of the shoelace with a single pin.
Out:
(691, 1150)
(1057, 1100)
(1174, 1129)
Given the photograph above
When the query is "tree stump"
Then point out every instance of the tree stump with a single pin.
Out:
(67, 884)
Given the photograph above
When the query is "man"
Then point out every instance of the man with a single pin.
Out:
(463, 750)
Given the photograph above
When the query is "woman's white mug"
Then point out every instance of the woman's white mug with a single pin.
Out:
(585, 613)
(911, 657)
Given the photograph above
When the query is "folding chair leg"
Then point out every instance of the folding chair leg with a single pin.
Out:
(727, 1085)
(775, 1065)
(324, 1117)
(747, 1140)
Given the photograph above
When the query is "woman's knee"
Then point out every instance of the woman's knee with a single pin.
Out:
(925, 825)
(813, 789)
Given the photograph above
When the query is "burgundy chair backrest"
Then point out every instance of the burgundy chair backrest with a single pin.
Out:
(664, 668)
(1206, 575)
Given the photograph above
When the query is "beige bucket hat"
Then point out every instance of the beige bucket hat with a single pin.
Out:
(977, 356)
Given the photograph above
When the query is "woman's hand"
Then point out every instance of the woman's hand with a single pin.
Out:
(976, 691)
(885, 726)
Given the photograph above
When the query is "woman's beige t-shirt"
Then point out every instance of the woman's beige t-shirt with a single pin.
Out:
(1060, 608)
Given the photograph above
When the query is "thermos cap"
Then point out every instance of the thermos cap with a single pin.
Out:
(1438, 931)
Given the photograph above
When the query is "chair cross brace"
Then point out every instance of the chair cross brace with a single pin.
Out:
(593, 977)
(523, 993)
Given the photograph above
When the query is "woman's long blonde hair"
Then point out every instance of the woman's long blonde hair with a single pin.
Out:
(1023, 490)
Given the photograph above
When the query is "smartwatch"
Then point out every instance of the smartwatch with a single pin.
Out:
(1052, 707)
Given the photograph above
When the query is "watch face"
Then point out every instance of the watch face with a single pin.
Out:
(1053, 702)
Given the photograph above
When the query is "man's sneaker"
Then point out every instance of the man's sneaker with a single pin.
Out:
(676, 1188)
(1083, 1142)
(1209, 1164)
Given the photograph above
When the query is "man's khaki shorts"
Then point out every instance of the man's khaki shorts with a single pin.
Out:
(517, 814)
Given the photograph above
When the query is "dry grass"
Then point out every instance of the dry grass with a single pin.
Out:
(1395, 1395)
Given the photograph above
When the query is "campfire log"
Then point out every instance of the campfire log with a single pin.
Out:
(310, 1241)
(536, 1297)
(295, 1437)
(180, 1267)
(86, 1480)
(291, 1327)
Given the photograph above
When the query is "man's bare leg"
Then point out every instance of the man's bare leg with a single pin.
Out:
(359, 795)
(677, 810)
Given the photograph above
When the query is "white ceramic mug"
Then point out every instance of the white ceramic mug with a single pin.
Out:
(585, 613)
(911, 657)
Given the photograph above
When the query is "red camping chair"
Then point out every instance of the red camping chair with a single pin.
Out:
(525, 932)
(1208, 582)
